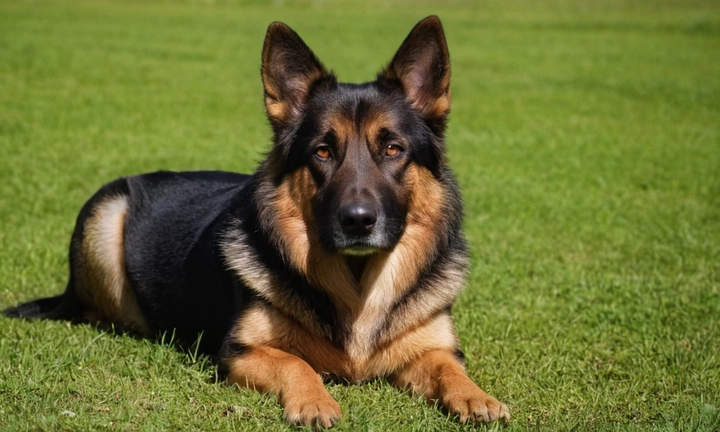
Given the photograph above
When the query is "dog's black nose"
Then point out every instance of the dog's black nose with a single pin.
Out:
(357, 218)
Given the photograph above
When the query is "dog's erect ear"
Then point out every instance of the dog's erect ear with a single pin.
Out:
(422, 67)
(289, 71)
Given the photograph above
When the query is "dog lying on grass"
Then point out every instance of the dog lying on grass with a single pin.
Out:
(339, 258)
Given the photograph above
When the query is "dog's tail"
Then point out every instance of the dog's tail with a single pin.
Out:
(66, 306)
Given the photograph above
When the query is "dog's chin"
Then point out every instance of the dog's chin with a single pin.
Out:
(358, 246)
(359, 251)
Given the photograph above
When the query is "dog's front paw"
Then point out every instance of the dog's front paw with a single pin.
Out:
(471, 403)
(318, 410)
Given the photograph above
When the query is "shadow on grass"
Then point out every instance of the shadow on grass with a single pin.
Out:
(67, 308)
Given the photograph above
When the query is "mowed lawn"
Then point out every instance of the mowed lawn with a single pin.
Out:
(585, 136)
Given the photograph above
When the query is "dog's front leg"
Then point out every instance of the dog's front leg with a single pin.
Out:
(439, 375)
(299, 389)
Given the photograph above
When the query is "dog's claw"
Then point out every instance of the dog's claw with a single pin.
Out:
(476, 406)
(318, 414)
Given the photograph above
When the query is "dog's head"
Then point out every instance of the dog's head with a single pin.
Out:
(357, 153)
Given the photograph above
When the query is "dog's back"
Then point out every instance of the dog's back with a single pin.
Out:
(143, 257)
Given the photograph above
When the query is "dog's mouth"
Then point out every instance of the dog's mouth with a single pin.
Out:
(362, 246)
(359, 251)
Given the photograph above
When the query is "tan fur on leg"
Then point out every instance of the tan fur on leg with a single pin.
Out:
(438, 375)
(298, 387)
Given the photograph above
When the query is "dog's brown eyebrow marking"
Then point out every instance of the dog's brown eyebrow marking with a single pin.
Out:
(379, 128)
(342, 130)
(363, 120)
(385, 135)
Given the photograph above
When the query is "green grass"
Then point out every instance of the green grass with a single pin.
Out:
(585, 135)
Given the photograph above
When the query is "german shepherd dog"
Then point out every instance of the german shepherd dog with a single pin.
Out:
(339, 258)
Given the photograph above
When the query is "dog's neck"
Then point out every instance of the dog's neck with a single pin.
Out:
(356, 264)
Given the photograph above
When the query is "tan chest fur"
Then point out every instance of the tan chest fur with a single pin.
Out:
(359, 360)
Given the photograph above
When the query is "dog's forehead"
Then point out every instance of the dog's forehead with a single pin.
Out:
(362, 110)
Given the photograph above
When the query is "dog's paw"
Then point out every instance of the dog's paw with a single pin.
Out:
(318, 412)
(475, 405)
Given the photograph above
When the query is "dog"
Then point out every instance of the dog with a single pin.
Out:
(340, 258)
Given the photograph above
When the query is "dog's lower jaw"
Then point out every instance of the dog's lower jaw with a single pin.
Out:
(361, 251)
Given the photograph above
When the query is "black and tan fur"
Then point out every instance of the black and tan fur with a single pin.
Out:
(340, 257)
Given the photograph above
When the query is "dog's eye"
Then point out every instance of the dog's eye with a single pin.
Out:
(393, 149)
(323, 152)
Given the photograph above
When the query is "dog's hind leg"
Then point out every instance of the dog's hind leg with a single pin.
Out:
(97, 260)
(98, 289)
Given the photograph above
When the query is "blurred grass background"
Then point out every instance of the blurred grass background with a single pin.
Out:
(585, 135)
